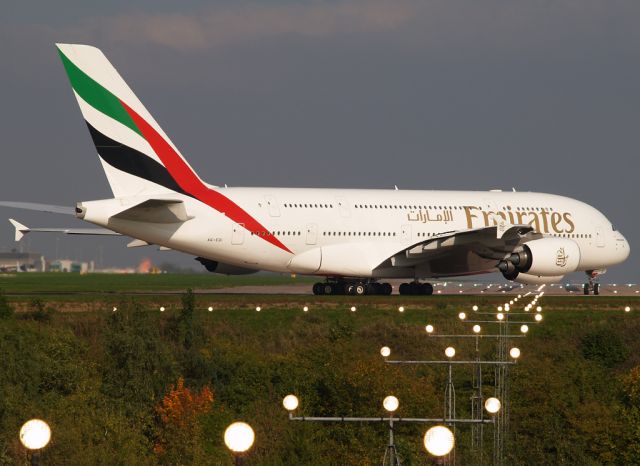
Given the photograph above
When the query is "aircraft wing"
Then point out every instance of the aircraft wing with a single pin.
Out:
(22, 230)
(461, 252)
(54, 209)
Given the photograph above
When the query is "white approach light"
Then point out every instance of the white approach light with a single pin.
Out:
(35, 434)
(115, 309)
(475, 308)
(500, 308)
(385, 351)
(258, 308)
(290, 402)
(439, 441)
(239, 437)
(500, 316)
(476, 328)
(627, 309)
(462, 316)
(429, 328)
(538, 317)
(539, 309)
(401, 309)
(353, 309)
(305, 309)
(161, 308)
(524, 328)
(450, 352)
(507, 308)
(210, 309)
(390, 403)
(514, 352)
(492, 405)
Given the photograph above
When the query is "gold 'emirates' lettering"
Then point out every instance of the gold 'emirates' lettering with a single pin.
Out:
(542, 222)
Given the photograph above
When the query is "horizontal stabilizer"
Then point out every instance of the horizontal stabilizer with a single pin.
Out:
(156, 211)
(22, 230)
(54, 209)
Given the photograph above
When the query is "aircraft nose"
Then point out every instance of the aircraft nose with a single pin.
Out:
(622, 247)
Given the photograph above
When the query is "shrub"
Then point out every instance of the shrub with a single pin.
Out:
(604, 347)
(6, 310)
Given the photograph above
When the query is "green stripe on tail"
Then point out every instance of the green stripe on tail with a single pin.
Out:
(96, 95)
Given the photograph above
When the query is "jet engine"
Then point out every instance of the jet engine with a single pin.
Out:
(225, 269)
(545, 257)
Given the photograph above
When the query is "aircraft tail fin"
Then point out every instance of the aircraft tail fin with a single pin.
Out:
(137, 156)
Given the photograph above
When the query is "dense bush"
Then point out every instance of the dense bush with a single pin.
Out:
(137, 386)
(604, 346)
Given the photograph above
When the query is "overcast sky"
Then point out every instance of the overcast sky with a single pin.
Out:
(445, 94)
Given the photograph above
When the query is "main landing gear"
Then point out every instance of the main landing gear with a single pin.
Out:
(357, 288)
(416, 288)
(592, 284)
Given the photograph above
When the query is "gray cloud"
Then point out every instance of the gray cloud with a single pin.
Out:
(231, 24)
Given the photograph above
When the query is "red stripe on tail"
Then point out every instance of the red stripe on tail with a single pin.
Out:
(190, 183)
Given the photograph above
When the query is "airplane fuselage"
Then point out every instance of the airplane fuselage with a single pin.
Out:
(334, 232)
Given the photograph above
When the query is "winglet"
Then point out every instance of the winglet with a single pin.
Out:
(21, 230)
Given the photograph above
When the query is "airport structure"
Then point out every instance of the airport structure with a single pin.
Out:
(13, 261)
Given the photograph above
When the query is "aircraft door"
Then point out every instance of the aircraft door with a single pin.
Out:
(312, 233)
(237, 233)
(273, 206)
(343, 207)
(406, 232)
(599, 237)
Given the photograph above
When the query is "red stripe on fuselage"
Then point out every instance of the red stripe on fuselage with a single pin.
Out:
(190, 183)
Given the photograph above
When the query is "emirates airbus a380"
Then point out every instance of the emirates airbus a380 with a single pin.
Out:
(352, 238)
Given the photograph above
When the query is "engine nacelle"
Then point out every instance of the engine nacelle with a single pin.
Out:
(529, 279)
(547, 257)
(225, 269)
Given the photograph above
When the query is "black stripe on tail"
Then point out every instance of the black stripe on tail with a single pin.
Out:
(131, 161)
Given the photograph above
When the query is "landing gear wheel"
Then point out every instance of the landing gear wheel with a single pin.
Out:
(360, 289)
(596, 288)
(585, 288)
(318, 288)
(403, 289)
(386, 289)
(427, 289)
(329, 288)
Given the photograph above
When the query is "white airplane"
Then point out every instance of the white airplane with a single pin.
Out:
(354, 238)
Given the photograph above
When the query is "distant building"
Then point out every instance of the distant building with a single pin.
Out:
(67, 265)
(22, 262)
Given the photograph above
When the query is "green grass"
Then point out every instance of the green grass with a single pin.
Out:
(110, 283)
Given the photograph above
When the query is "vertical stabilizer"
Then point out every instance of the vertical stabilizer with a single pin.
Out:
(137, 156)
